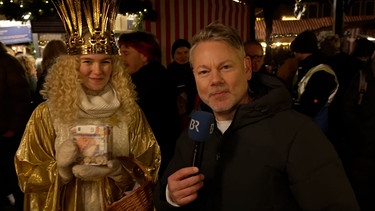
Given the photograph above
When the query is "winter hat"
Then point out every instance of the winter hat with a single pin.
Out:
(305, 42)
(180, 43)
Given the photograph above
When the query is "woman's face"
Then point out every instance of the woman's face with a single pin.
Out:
(95, 71)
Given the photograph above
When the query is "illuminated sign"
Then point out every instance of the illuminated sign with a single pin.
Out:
(15, 34)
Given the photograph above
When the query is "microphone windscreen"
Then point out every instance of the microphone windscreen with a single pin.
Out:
(201, 125)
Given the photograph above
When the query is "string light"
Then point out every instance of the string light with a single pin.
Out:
(16, 9)
(26, 16)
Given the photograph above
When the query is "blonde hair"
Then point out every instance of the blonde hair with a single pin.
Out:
(218, 32)
(63, 86)
(28, 63)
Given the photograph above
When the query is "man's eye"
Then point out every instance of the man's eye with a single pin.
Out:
(203, 72)
(226, 67)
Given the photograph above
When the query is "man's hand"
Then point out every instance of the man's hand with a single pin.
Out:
(183, 185)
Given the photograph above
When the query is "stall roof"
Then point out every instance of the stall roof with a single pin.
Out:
(292, 28)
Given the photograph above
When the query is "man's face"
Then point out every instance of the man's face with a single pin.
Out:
(221, 74)
(255, 52)
(132, 58)
(181, 55)
(298, 56)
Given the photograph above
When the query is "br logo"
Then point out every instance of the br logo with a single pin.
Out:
(194, 125)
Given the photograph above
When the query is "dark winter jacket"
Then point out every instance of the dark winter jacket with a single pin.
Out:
(182, 75)
(270, 158)
(359, 118)
(346, 67)
(320, 86)
(157, 98)
(15, 95)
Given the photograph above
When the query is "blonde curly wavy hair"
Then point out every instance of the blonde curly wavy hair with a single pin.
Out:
(63, 85)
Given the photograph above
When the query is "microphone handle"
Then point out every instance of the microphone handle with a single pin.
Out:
(198, 153)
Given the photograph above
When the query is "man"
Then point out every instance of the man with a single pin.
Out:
(315, 83)
(345, 67)
(262, 155)
(157, 93)
(358, 117)
(183, 77)
(254, 50)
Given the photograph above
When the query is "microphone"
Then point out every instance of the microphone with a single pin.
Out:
(200, 128)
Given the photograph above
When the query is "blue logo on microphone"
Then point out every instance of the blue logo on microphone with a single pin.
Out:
(194, 125)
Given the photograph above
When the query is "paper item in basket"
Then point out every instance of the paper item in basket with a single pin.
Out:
(94, 143)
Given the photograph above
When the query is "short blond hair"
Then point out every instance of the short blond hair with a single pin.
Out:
(218, 32)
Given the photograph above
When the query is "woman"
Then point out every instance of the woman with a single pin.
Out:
(89, 87)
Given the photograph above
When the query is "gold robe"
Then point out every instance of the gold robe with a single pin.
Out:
(37, 170)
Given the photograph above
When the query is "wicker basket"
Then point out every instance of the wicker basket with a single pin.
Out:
(139, 199)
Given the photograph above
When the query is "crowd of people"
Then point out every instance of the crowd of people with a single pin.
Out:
(297, 137)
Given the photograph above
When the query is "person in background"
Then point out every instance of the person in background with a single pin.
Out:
(29, 64)
(345, 67)
(262, 155)
(38, 67)
(89, 87)
(9, 50)
(285, 64)
(15, 109)
(183, 77)
(254, 50)
(315, 83)
(358, 116)
(157, 93)
(53, 50)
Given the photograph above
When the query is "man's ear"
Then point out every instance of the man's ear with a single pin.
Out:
(248, 67)
(144, 58)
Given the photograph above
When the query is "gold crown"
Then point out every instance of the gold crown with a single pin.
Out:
(99, 15)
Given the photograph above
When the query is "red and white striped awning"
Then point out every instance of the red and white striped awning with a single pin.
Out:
(184, 18)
